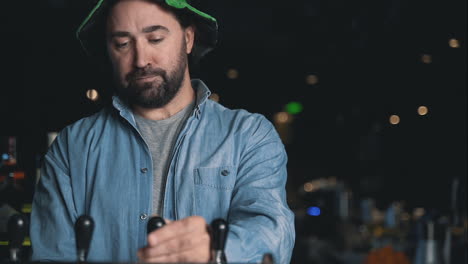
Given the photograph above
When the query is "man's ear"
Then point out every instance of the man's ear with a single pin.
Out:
(189, 39)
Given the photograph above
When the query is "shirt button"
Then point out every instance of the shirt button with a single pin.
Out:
(225, 172)
(144, 170)
(143, 216)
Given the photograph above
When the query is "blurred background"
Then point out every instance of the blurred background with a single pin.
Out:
(369, 98)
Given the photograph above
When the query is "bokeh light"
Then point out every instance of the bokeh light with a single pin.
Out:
(294, 108)
(282, 118)
(312, 79)
(92, 95)
(313, 211)
(309, 187)
(394, 119)
(423, 110)
(426, 58)
(232, 74)
(214, 97)
(454, 43)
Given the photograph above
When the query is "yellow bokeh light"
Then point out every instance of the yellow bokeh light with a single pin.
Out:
(309, 187)
(394, 119)
(454, 43)
(214, 97)
(312, 79)
(232, 74)
(422, 110)
(92, 95)
(282, 118)
(426, 58)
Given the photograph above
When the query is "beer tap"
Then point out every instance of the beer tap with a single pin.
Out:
(220, 231)
(84, 228)
(16, 233)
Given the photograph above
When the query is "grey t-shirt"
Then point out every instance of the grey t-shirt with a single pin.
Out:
(161, 136)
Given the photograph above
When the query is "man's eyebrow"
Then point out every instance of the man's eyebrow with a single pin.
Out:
(119, 34)
(155, 28)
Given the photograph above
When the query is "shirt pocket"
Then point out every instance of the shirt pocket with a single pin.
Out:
(223, 178)
(213, 190)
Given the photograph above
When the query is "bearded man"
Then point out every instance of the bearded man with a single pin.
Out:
(162, 148)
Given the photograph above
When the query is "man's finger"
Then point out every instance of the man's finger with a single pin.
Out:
(177, 244)
(193, 224)
(198, 254)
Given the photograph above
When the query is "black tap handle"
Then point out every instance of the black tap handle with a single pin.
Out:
(220, 229)
(84, 228)
(16, 232)
(154, 223)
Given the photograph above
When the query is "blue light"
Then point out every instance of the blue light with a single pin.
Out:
(313, 211)
(5, 156)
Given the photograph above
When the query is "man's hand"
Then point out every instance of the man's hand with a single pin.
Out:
(186, 240)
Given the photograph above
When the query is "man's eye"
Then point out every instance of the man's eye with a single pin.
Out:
(154, 41)
(121, 45)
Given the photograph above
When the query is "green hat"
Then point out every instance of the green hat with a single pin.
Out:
(92, 37)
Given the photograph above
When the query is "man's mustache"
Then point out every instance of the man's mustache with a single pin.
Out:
(145, 72)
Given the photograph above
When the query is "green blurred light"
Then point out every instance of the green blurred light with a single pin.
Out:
(294, 108)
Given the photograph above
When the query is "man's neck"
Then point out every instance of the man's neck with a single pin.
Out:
(183, 98)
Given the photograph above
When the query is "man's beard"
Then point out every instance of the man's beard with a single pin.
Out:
(160, 91)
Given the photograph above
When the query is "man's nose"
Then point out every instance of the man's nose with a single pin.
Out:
(141, 55)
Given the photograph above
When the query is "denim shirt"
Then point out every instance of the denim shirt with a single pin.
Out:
(226, 163)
